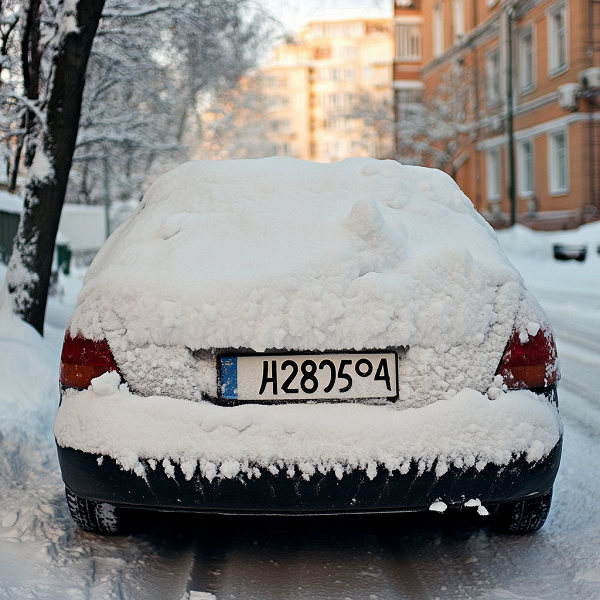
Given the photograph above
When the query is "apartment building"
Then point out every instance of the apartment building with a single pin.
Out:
(329, 87)
(531, 138)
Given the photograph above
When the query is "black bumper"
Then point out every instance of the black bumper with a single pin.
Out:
(322, 494)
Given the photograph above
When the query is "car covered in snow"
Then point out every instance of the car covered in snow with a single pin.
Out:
(278, 336)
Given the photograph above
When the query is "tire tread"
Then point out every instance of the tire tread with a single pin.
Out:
(523, 516)
(95, 517)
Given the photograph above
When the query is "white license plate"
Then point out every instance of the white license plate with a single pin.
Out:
(309, 376)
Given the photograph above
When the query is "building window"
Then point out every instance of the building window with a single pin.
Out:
(409, 102)
(438, 30)
(559, 163)
(526, 61)
(333, 30)
(368, 73)
(408, 42)
(493, 175)
(458, 18)
(338, 100)
(334, 123)
(275, 101)
(281, 149)
(526, 169)
(282, 125)
(493, 77)
(338, 74)
(322, 52)
(332, 149)
(410, 95)
(346, 53)
(557, 40)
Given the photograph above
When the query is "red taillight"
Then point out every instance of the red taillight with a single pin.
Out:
(533, 364)
(82, 360)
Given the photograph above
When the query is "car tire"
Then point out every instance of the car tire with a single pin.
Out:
(95, 517)
(523, 516)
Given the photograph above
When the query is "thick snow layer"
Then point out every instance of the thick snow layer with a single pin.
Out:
(289, 254)
(282, 253)
(28, 368)
(468, 430)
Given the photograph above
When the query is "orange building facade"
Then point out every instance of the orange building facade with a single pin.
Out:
(530, 146)
(408, 59)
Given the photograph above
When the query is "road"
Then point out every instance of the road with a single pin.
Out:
(425, 556)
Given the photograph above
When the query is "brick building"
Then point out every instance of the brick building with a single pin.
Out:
(408, 58)
(533, 131)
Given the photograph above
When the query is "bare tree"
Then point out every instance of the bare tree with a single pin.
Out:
(373, 116)
(438, 133)
(28, 276)
(149, 78)
(233, 123)
(152, 60)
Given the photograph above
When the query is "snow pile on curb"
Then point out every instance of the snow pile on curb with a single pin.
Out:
(523, 242)
(284, 253)
(468, 430)
(43, 555)
(28, 397)
(33, 515)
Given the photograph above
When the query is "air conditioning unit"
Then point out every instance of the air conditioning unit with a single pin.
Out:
(568, 96)
(590, 78)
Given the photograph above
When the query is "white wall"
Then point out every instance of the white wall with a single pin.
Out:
(83, 226)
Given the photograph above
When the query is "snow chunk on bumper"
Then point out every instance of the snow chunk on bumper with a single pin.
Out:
(468, 430)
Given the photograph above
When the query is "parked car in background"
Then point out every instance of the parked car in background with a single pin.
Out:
(277, 336)
(570, 252)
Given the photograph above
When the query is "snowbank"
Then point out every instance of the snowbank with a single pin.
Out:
(42, 553)
(29, 478)
(468, 430)
(523, 242)
(28, 372)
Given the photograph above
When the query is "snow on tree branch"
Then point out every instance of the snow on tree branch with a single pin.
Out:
(125, 13)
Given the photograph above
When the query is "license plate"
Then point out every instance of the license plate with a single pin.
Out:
(309, 376)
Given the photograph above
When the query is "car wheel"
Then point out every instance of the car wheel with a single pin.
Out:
(96, 517)
(523, 516)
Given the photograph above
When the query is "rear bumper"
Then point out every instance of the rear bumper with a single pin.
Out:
(321, 494)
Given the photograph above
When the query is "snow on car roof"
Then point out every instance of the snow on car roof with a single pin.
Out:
(286, 253)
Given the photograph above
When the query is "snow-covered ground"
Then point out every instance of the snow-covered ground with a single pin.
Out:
(44, 556)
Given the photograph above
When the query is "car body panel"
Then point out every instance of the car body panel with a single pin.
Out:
(277, 256)
(321, 494)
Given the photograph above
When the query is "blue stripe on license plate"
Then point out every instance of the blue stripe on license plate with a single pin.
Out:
(229, 384)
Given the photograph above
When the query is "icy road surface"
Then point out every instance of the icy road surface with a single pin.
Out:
(451, 556)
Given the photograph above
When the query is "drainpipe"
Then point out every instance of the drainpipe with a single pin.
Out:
(512, 192)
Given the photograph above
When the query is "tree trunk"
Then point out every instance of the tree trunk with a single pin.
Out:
(28, 275)
(31, 58)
